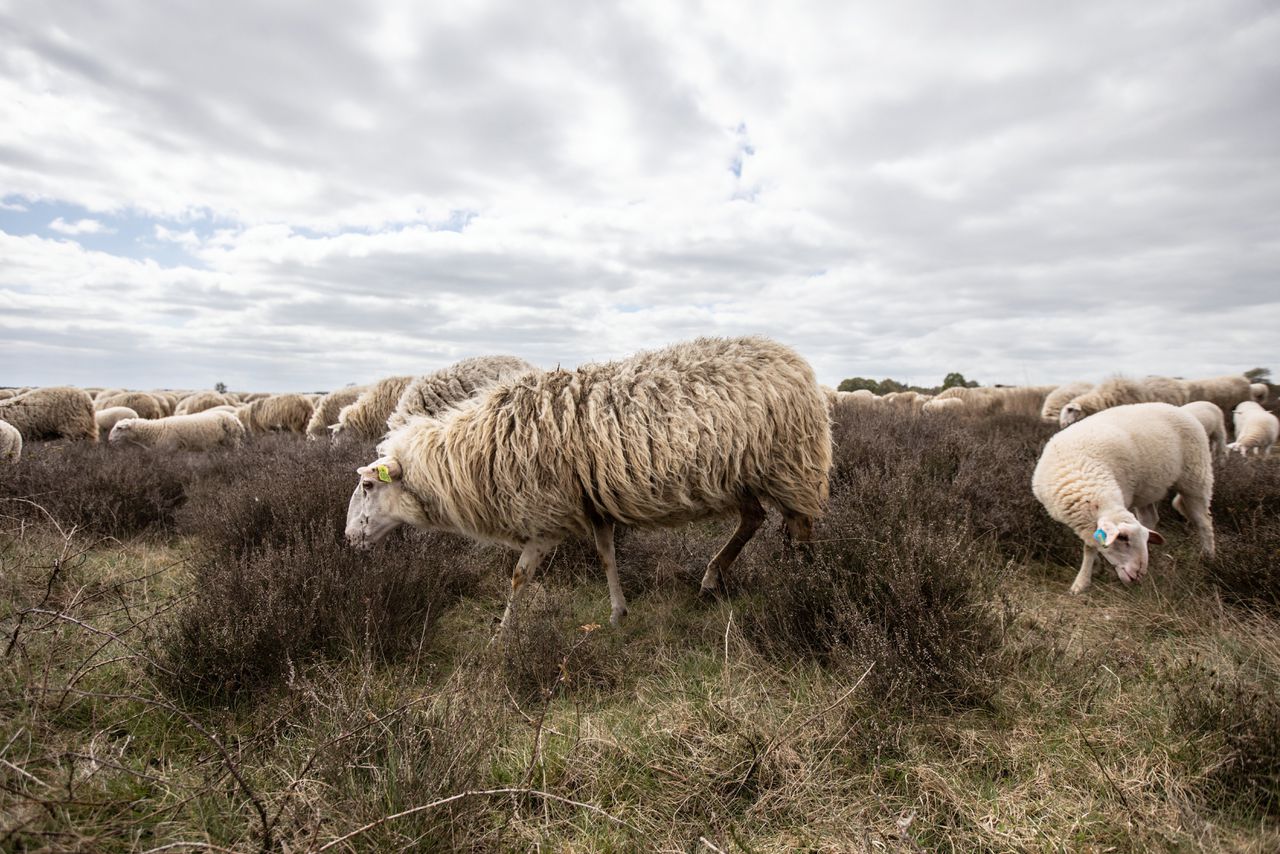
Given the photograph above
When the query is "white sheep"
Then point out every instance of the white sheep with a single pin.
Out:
(702, 429)
(943, 405)
(1256, 429)
(10, 443)
(197, 432)
(444, 389)
(51, 413)
(110, 417)
(1103, 476)
(1213, 422)
(1120, 391)
(1060, 397)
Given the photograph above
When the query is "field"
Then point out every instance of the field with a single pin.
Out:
(194, 660)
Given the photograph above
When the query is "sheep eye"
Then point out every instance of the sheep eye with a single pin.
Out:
(1124, 538)
(366, 485)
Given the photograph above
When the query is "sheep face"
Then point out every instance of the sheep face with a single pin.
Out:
(1123, 542)
(1070, 414)
(378, 503)
(121, 432)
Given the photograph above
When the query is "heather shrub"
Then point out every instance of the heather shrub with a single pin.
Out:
(898, 574)
(113, 491)
(1246, 521)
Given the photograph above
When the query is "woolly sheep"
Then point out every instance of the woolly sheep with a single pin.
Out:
(325, 414)
(946, 405)
(1256, 429)
(140, 402)
(200, 401)
(279, 413)
(109, 417)
(6, 393)
(1258, 392)
(1060, 397)
(367, 417)
(1103, 476)
(51, 413)
(1025, 400)
(696, 430)
(167, 399)
(196, 432)
(1119, 391)
(436, 392)
(10, 443)
(1224, 392)
(1213, 422)
(977, 401)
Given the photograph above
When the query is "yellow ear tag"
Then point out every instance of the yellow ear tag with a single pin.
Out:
(384, 474)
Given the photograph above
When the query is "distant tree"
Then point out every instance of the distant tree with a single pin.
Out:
(858, 383)
(887, 385)
(956, 379)
(1258, 375)
(220, 388)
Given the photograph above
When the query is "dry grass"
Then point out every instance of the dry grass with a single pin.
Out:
(218, 672)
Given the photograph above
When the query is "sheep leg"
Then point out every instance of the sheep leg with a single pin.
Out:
(750, 518)
(1085, 576)
(1196, 510)
(603, 530)
(530, 559)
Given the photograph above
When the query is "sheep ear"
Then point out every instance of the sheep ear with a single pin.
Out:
(1105, 534)
(1154, 537)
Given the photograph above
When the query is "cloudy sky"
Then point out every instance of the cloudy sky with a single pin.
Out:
(298, 195)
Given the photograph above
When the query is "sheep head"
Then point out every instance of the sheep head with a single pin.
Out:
(379, 503)
(1123, 541)
(1070, 414)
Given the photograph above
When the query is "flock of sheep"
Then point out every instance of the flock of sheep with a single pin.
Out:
(498, 450)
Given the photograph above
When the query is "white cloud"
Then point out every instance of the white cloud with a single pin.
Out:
(80, 226)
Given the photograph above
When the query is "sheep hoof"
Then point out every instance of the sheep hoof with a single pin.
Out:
(1077, 588)
(615, 618)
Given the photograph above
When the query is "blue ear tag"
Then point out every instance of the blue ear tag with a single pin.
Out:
(1101, 536)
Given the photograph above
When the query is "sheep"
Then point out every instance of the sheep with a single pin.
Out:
(1103, 476)
(279, 413)
(10, 443)
(109, 417)
(1258, 392)
(325, 414)
(696, 430)
(434, 393)
(51, 413)
(1059, 397)
(977, 400)
(366, 418)
(1224, 392)
(1213, 422)
(1025, 400)
(6, 393)
(1119, 391)
(140, 402)
(199, 431)
(1256, 429)
(944, 406)
(168, 400)
(200, 401)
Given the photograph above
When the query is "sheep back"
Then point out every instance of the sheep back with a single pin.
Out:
(434, 393)
(51, 413)
(366, 418)
(140, 402)
(279, 413)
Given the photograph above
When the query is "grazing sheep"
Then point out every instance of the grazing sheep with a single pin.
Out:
(700, 429)
(103, 393)
(168, 400)
(51, 413)
(200, 401)
(10, 443)
(325, 414)
(1103, 476)
(1224, 392)
(196, 432)
(139, 401)
(109, 417)
(367, 417)
(944, 406)
(1060, 397)
(1119, 391)
(1025, 400)
(1213, 422)
(279, 413)
(977, 400)
(1256, 429)
(1258, 392)
(434, 393)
